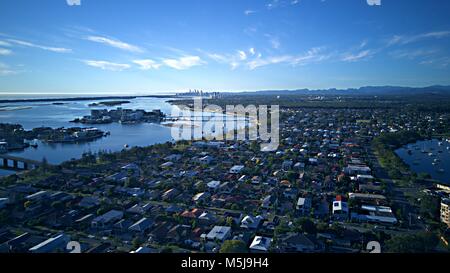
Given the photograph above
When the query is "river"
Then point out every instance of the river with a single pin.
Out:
(35, 114)
(429, 156)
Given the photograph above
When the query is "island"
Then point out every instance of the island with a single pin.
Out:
(109, 103)
(124, 116)
(15, 137)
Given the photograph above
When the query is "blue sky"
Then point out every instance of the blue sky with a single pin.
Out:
(142, 46)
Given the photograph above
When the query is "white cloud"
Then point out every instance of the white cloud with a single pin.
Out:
(242, 55)
(412, 54)
(407, 39)
(248, 12)
(147, 64)
(358, 56)
(48, 48)
(5, 70)
(252, 51)
(105, 65)
(313, 55)
(4, 51)
(3, 43)
(114, 43)
(183, 62)
(274, 41)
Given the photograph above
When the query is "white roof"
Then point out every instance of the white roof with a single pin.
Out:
(213, 184)
(261, 243)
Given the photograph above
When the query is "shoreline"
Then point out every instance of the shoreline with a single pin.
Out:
(83, 98)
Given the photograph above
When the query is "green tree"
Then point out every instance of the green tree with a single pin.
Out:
(413, 243)
(233, 246)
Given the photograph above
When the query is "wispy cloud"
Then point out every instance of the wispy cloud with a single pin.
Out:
(183, 62)
(5, 44)
(412, 54)
(105, 65)
(5, 70)
(249, 12)
(274, 41)
(242, 55)
(313, 55)
(114, 43)
(407, 39)
(358, 56)
(147, 64)
(48, 48)
(233, 60)
(4, 51)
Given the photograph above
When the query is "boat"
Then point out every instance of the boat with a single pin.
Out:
(441, 171)
(430, 154)
(126, 146)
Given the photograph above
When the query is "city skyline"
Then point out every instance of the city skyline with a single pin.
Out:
(112, 47)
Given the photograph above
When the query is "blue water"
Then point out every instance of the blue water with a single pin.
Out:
(39, 114)
(423, 162)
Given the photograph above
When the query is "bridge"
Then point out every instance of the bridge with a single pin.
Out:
(25, 164)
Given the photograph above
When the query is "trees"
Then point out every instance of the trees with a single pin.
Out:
(413, 243)
(306, 225)
(430, 207)
(233, 246)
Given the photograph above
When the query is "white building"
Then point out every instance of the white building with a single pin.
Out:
(237, 169)
(260, 244)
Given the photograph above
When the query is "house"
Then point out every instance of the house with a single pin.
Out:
(167, 165)
(142, 225)
(123, 224)
(220, 233)
(133, 168)
(340, 210)
(107, 219)
(237, 169)
(250, 222)
(213, 185)
(299, 166)
(173, 157)
(3, 202)
(243, 178)
(374, 214)
(296, 242)
(266, 202)
(192, 214)
(206, 159)
(364, 178)
(54, 244)
(169, 194)
(286, 165)
(356, 169)
(139, 209)
(38, 196)
(207, 218)
(304, 205)
(445, 211)
(256, 180)
(201, 196)
(260, 244)
(144, 250)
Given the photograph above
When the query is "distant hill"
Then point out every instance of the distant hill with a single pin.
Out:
(366, 90)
